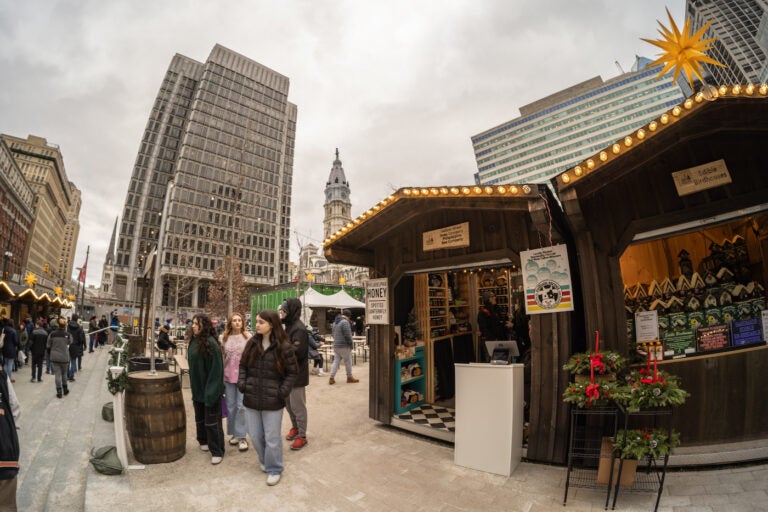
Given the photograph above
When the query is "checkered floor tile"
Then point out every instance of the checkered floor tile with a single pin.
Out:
(432, 416)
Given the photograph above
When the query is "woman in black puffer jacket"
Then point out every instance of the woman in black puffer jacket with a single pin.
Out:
(268, 372)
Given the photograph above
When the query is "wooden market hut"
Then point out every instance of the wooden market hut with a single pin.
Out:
(676, 202)
(502, 222)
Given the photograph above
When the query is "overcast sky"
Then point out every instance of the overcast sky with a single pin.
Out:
(398, 86)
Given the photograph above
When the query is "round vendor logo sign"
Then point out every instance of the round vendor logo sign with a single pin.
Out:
(548, 294)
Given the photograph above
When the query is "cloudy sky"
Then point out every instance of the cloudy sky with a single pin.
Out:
(398, 86)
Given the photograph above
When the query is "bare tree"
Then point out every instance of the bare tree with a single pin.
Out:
(228, 292)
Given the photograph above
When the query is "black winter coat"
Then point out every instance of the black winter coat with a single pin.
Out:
(264, 388)
(77, 347)
(297, 333)
(11, 343)
(37, 342)
(9, 439)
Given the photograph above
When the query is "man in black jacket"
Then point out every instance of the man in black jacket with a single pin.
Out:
(296, 404)
(37, 350)
(77, 348)
(9, 443)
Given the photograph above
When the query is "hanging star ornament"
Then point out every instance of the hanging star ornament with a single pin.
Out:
(682, 50)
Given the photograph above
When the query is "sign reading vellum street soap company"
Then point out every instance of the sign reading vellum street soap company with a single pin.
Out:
(701, 177)
(446, 238)
(547, 280)
(377, 301)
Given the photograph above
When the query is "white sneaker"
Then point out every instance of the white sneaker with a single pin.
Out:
(243, 446)
(234, 440)
(216, 460)
(204, 447)
(262, 467)
(320, 372)
(273, 479)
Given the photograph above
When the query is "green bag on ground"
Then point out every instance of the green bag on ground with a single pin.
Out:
(108, 412)
(106, 461)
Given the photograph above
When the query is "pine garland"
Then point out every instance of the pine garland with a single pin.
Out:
(117, 358)
(645, 442)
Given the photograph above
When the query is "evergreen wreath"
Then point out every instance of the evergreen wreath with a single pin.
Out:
(645, 442)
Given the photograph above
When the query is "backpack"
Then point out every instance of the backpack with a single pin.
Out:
(106, 461)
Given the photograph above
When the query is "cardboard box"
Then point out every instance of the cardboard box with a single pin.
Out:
(604, 468)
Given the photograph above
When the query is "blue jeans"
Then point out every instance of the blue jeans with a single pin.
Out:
(235, 411)
(93, 340)
(72, 367)
(8, 366)
(264, 429)
(341, 354)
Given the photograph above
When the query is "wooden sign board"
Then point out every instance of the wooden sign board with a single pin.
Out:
(446, 238)
(701, 177)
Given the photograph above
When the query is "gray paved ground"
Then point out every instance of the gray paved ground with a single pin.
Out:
(351, 464)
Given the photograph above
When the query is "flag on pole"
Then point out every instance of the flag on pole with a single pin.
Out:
(81, 277)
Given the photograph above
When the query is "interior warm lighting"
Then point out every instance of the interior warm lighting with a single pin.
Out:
(566, 178)
(603, 156)
(615, 148)
(577, 171)
(652, 126)
(641, 134)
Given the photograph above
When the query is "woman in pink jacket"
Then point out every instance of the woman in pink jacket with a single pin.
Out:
(234, 339)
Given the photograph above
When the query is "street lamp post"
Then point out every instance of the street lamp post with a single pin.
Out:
(8, 256)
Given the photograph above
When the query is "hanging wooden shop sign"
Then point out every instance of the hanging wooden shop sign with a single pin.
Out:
(701, 177)
(446, 238)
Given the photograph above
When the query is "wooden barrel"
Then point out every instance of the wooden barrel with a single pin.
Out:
(155, 417)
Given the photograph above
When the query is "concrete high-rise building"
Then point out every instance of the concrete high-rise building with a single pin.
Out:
(43, 167)
(71, 234)
(556, 132)
(106, 290)
(16, 215)
(740, 29)
(220, 138)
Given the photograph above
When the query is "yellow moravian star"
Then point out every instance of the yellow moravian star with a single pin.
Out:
(682, 50)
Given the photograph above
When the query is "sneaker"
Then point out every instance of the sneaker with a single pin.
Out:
(243, 446)
(352, 380)
(320, 372)
(204, 447)
(331, 381)
(233, 441)
(216, 460)
(299, 443)
(314, 371)
(292, 434)
(262, 467)
(273, 479)
(33, 379)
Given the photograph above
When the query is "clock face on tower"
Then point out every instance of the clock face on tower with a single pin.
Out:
(328, 195)
(343, 195)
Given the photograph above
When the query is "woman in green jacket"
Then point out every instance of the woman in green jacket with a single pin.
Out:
(206, 377)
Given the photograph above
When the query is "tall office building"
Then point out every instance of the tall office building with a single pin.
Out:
(217, 157)
(740, 29)
(556, 132)
(47, 256)
(16, 215)
(71, 234)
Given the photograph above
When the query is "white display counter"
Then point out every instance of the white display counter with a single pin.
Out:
(489, 417)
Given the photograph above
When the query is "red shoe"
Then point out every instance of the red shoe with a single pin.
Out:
(299, 443)
(292, 434)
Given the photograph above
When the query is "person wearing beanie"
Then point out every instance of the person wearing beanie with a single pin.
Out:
(342, 346)
(57, 348)
(296, 404)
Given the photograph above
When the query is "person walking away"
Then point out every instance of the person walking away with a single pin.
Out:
(113, 326)
(93, 326)
(234, 338)
(21, 355)
(50, 326)
(9, 443)
(315, 342)
(296, 404)
(268, 371)
(102, 336)
(10, 348)
(206, 378)
(37, 345)
(29, 325)
(57, 348)
(76, 348)
(342, 346)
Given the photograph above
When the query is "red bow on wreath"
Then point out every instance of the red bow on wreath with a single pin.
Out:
(593, 393)
(596, 362)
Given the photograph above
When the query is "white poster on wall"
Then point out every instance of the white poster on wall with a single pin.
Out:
(377, 301)
(547, 280)
(647, 326)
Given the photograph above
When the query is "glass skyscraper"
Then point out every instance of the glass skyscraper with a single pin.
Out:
(223, 133)
(556, 132)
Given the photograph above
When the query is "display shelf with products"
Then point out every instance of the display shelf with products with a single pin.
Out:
(410, 381)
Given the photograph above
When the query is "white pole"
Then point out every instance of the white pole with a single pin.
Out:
(117, 401)
(157, 295)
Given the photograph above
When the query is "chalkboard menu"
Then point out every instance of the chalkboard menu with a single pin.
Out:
(715, 337)
(744, 332)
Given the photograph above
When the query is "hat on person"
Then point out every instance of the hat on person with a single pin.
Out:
(346, 312)
(487, 297)
(164, 328)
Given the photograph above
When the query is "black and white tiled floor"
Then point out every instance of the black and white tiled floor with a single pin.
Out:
(429, 420)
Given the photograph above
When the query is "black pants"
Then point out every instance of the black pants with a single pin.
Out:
(209, 428)
(37, 364)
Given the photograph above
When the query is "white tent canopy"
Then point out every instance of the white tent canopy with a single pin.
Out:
(341, 299)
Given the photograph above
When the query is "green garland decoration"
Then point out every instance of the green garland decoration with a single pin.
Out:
(643, 392)
(117, 358)
(576, 393)
(644, 443)
(578, 364)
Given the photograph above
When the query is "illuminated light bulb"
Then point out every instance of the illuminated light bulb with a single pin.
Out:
(444, 190)
(465, 190)
(603, 156)
(565, 178)
(641, 134)
(454, 191)
(590, 164)
(513, 189)
(664, 119)
(407, 191)
(736, 89)
(750, 89)
(723, 89)
(477, 190)
(688, 104)
(653, 126)
(489, 190)
(434, 191)
(763, 89)
(370, 211)
(676, 111)
(577, 171)
(615, 148)
(627, 141)
(349, 224)
(526, 189)
(425, 191)
(376, 208)
(501, 189)
(699, 97)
